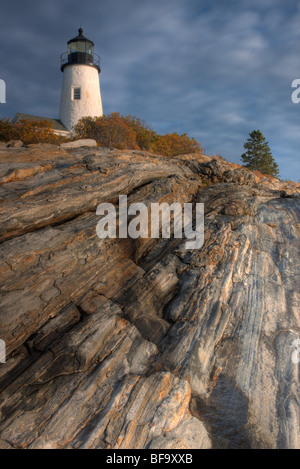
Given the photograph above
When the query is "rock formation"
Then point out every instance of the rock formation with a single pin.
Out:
(123, 343)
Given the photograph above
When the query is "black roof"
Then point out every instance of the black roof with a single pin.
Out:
(80, 37)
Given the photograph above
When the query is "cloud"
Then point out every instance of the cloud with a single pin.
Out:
(216, 70)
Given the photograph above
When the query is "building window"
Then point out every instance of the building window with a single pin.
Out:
(76, 93)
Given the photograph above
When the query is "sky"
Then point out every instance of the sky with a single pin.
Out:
(214, 69)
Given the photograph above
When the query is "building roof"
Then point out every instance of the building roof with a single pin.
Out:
(80, 37)
(56, 123)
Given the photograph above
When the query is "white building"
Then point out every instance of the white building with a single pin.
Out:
(80, 94)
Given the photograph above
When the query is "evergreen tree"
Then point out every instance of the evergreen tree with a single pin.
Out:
(258, 155)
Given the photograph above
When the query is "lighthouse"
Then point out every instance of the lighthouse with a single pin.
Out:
(80, 94)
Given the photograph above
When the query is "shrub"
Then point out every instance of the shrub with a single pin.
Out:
(108, 131)
(36, 132)
(130, 132)
(28, 131)
(8, 131)
(144, 134)
(174, 144)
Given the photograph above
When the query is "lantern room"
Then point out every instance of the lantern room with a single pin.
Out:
(80, 51)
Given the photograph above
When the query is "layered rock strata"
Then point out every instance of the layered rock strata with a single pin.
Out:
(141, 343)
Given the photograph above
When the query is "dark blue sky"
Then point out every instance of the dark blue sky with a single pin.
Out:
(216, 69)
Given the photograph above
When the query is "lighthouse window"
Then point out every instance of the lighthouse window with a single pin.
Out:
(76, 93)
(78, 46)
(89, 49)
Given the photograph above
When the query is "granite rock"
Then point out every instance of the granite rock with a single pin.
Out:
(140, 343)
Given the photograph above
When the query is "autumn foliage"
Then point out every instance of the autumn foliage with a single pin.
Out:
(37, 132)
(174, 144)
(8, 131)
(113, 130)
(28, 131)
(128, 132)
(108, 131)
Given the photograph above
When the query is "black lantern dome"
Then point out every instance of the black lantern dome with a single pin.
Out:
(80, 51)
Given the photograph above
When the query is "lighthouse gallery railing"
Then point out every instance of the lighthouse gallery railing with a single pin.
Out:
(80, 58)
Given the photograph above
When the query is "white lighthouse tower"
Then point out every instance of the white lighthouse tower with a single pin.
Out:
(80, 94)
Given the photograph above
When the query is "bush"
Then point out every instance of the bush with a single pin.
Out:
(144, 134)
(174, 144)
(8, 131)
(108, 131)
(28, 131)
(130, 132)
(36, 132)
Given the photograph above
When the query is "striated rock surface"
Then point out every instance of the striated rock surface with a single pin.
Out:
(140, 343)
